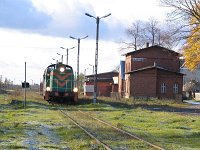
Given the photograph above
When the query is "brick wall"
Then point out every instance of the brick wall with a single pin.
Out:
(148, 57)
(147, 83)
(170, 79)
(143, 84)
(103, 88)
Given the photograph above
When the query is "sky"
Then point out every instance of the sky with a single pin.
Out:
(33, 31)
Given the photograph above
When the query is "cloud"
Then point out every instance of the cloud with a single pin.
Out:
(69, 19)
(34, 30)
(20, 14)
(60, 18)
(38, 50)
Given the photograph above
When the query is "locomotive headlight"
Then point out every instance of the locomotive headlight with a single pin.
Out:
(62, 69)
(75, 89)
(48, 88)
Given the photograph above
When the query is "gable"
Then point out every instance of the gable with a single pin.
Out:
(153, 52)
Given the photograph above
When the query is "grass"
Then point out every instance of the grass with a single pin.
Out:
(40, 126)
(165, 128)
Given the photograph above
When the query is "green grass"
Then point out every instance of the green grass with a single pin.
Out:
(166, 129)
(41, 126)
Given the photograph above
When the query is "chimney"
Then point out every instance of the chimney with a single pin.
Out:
(147, 44)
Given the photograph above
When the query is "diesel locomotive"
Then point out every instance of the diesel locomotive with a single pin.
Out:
(59, 84)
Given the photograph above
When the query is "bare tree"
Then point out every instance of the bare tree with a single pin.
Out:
(135, 33)
(183, 12)
(167, 36)
(152, 32)
(184, 9)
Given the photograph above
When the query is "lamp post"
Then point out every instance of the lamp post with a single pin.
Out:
(88, 68)
(79, 39)
(96, 52)
(55, 60)
(61, 57)
(67, 49)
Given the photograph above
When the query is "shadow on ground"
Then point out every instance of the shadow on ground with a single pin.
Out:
(83, 102)
(152, 107)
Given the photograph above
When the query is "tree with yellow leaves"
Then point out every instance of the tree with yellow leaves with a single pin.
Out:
(187, 13)
(191, 50)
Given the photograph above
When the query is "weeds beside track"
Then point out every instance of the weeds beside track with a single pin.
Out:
(107, 135)
(124, 132)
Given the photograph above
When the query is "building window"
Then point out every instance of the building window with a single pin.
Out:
(163, 88)
(175, 88)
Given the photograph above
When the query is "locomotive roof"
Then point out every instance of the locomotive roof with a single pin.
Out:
(59, 64)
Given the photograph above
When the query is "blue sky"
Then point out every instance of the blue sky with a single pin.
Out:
(34, 30)
(24, 15)
(21, 14)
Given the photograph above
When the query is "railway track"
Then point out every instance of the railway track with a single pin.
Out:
(88, 133)
(125, 132)
(107, 135)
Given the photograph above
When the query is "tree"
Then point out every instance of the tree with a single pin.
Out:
(187, 12)
(81, 82)
(183, 12)
(152, 32)
(135, 33)
(183, 9)
(192, 47)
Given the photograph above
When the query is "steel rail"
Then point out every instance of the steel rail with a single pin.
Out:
(93, 137)
(124, 132)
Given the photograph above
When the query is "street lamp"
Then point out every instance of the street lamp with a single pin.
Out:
(79, 39)
(88, 68)
(67, 49)
(55, 60)
(96, 52)
(61, 57)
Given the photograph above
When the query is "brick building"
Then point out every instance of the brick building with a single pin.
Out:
(153, 72)
(105, 84)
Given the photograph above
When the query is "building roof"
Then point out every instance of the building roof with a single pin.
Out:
(153, 67)
(105, 74)
(154, 46)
